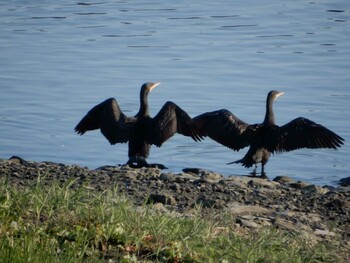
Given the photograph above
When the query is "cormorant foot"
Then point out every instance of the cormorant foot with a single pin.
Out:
(253, 173)
(256, 175)
(264, 176)
(139, 162)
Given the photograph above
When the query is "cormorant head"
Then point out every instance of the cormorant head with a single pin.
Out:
(274, 94)
(148, 87)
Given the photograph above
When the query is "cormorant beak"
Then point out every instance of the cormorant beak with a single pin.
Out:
(280, 93)
(154, 85)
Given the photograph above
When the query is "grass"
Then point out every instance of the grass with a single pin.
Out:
(59, 223)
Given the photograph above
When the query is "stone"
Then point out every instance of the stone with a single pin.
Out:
(206, 202)
(338, 204)
(165, 199)
(196, 171)
(260, 182)
(324, 233)
(345, 181)
(247, 223)
(176, 187)
(298, 185)
(282, 179)
(211, 177)
(16, 160)
(315, 189)
(285, 224)
(238, 209)
(168, 177)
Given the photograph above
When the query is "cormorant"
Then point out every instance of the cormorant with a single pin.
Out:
(267, 137)
(141, 131)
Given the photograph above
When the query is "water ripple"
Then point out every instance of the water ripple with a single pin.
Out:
(90, 13)
(234, 26)
(48, 17)
(335, 10)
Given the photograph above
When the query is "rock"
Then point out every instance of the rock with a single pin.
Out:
(338, 204)
(252, 182)
(176, 187)
(206, 202)
(107, 168)
(165, 199)
(197, 171)
(247, 223)
(315, 189)
(285, 224)
(324, 233)
(238, 209)
(168, 177)
(259, 182)
(211, 177)
(345, 181)
(282, 179)
(17, 160)
(298, 185)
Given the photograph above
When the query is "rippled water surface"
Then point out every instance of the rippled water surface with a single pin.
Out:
(60, 58)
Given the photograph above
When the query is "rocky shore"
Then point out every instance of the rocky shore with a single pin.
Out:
(317, 213)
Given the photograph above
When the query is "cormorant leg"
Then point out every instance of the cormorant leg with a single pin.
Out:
(263, 174)
(254, 171)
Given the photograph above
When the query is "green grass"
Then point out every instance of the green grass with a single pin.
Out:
(59, 223)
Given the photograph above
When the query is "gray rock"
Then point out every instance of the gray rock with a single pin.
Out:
(237, 209)
(284, 224)
(282, 179)
(17, 160)
(247, 223)
(168, 177)
(196, 171)
(211, 177)
(345, 181)
(165, 199)
(176, 187)
(207, 202)
(298, 185)
(315, 189)
(324, 233)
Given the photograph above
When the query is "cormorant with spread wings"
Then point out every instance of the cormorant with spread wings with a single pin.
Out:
(141, 131)
(267, 137)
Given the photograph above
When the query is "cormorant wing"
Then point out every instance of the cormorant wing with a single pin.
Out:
(225, 128)
(171, 119)
(303, 133)
(108, 117)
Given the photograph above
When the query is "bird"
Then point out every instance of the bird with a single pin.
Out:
(264, 138)
(140, 131)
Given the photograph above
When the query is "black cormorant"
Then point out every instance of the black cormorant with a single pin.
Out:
(265, 138)
(141, 131)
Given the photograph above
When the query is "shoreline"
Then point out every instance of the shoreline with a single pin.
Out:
(317, 213)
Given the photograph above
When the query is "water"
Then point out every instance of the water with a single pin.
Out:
(58, 59)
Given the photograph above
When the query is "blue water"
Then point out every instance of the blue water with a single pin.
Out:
(60, 58)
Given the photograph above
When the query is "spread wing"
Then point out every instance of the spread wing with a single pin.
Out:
(171, 119)
(108, 117)
(303, 133)
(225, 128)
